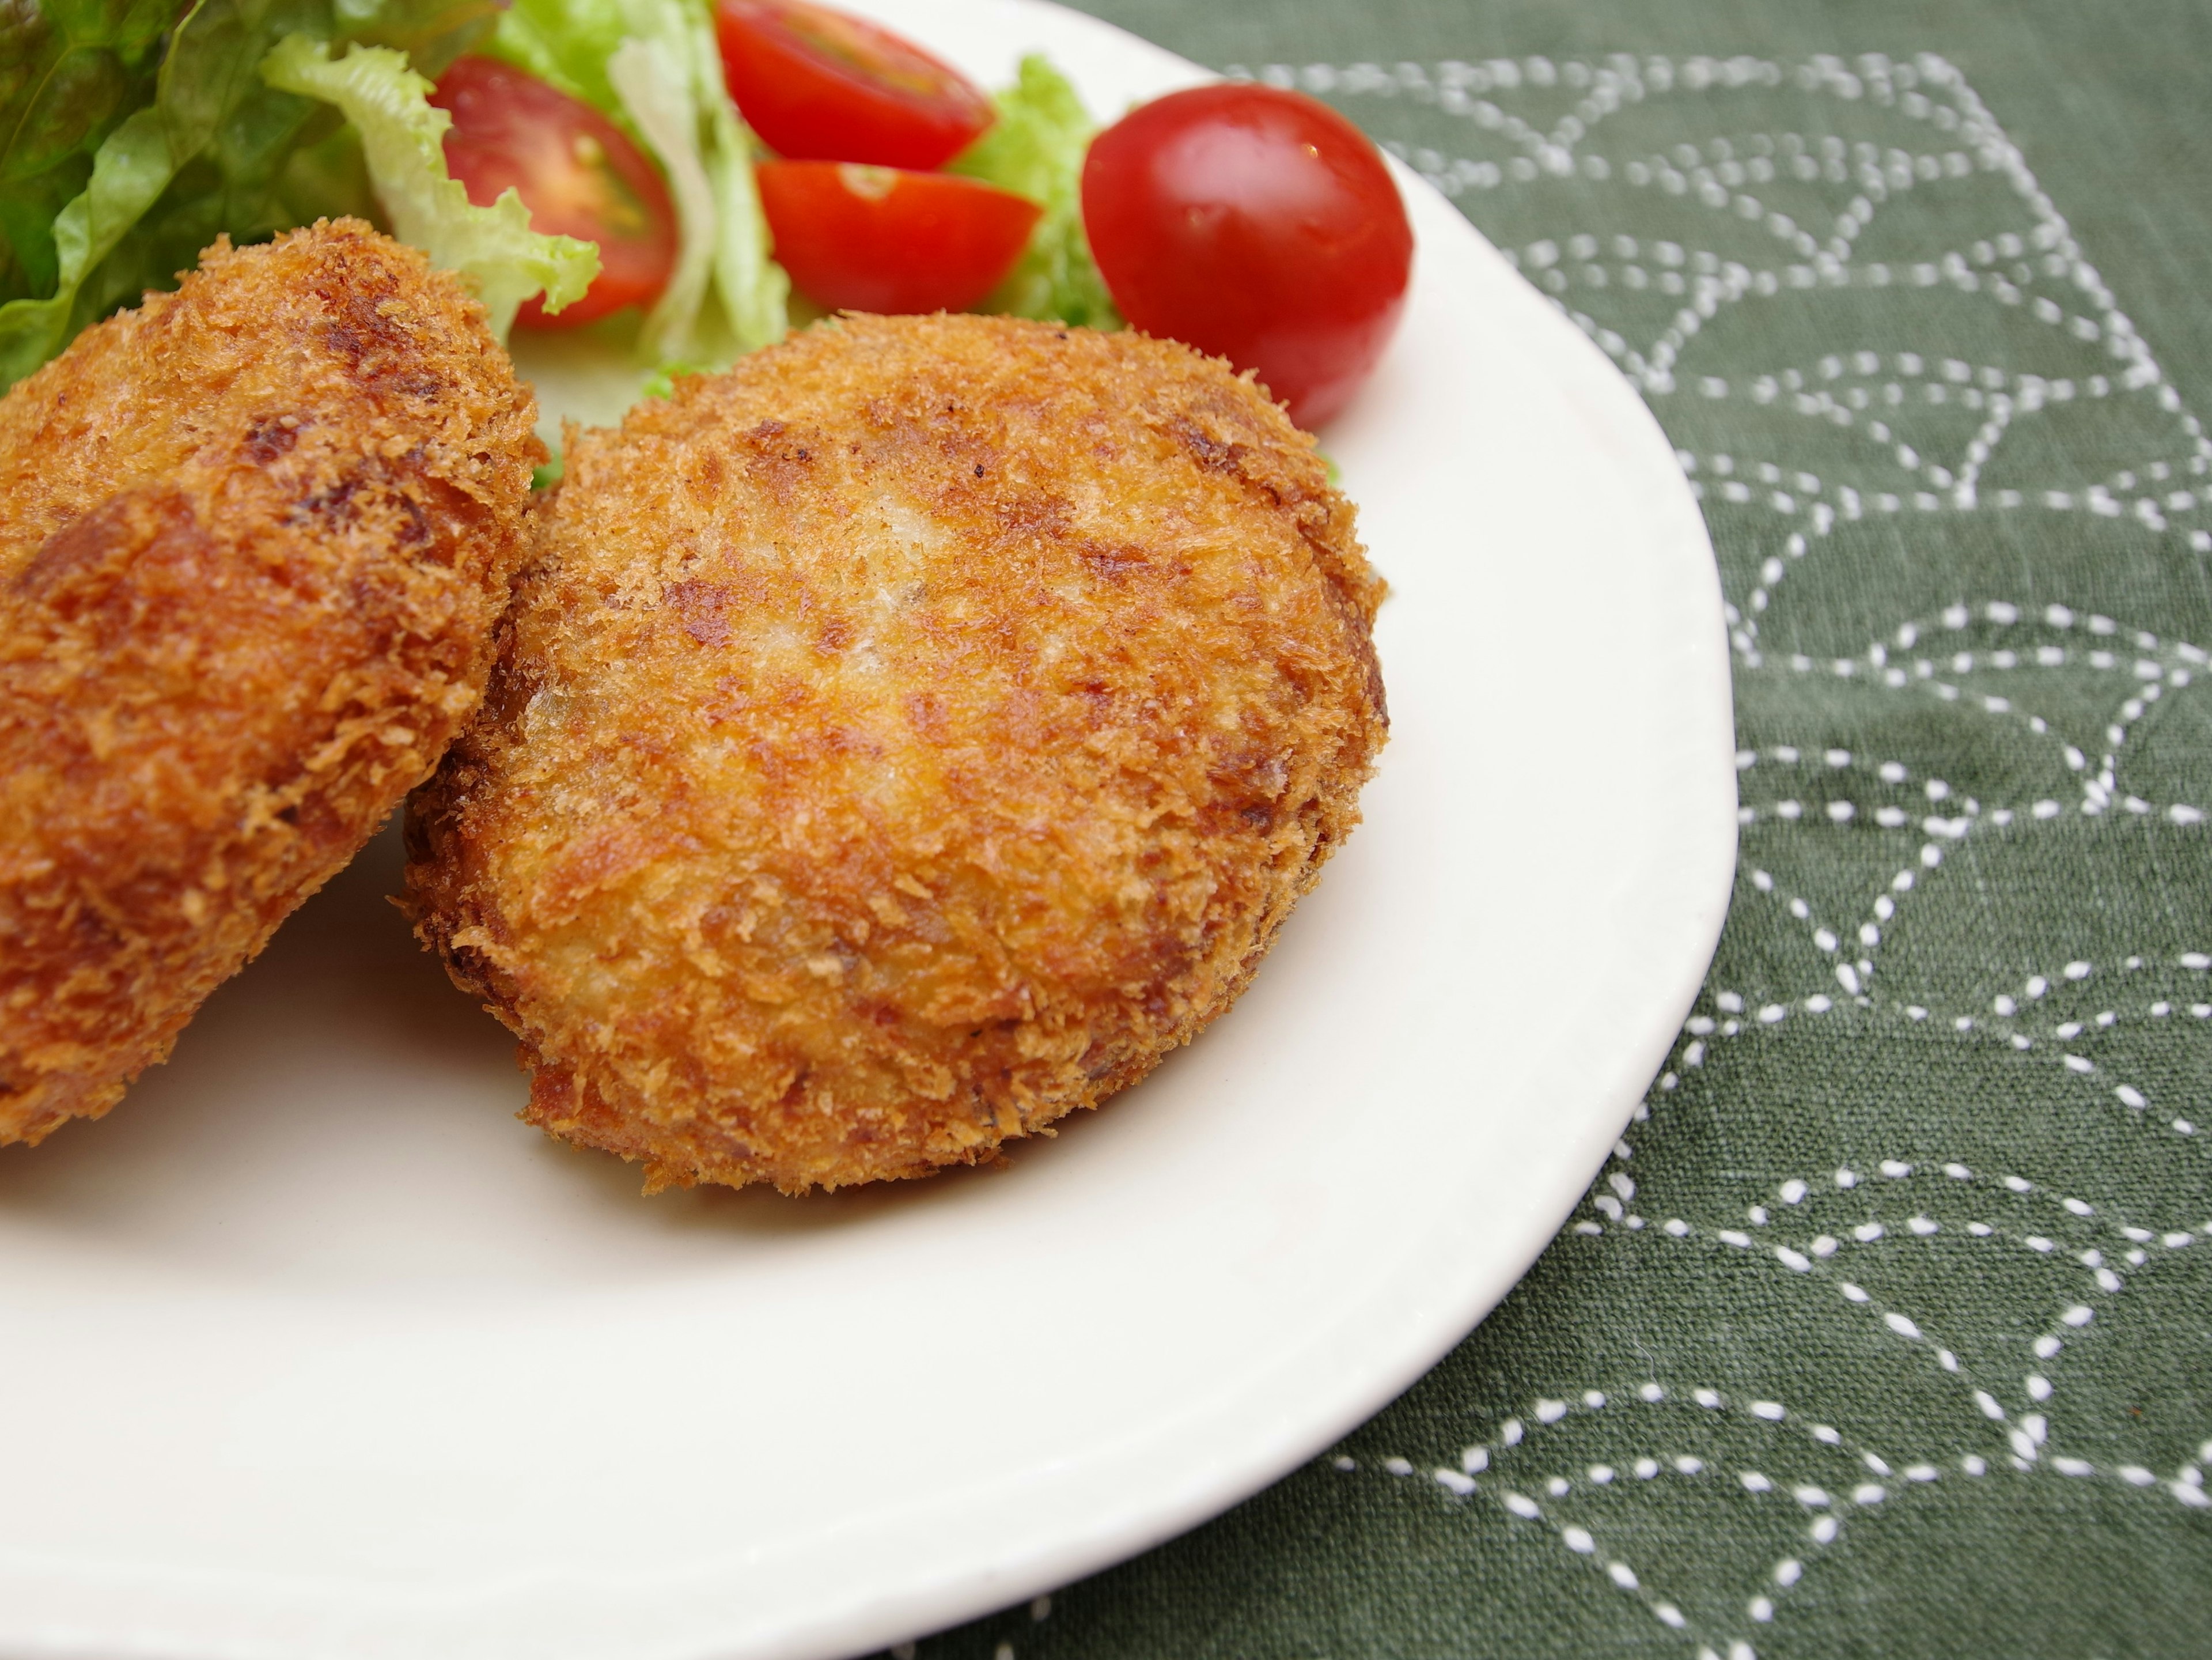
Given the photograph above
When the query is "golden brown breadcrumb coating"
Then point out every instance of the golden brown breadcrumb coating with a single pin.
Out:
(900, 741)
(253, 538)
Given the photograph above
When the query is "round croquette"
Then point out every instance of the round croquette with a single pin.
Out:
(254, 535)
(901, 740)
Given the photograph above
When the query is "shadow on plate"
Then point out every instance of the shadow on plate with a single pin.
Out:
(340, 1111)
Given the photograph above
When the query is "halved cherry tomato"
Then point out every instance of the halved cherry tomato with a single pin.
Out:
(819, 85)
(880, 238)
(578, 174)
(1260, 225)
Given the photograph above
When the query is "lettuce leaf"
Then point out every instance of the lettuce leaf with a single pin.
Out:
(655, 86)
(1036, 149)
(200, 83)
(197, 149)
(653, 66)
(71, 70)
(567, 44)
(432, 33)
(403, 140)
(754, 291)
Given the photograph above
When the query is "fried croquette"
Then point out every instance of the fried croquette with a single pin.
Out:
(253, 539)
(899, 741)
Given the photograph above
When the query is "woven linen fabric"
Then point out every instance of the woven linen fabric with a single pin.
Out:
(1888, 1331)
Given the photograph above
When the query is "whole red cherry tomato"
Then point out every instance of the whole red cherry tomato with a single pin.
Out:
(579, 174)
(879, 238)
(1257, 225)
(819, 85)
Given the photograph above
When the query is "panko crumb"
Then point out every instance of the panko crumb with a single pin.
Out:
(900, 741)
(253, 538)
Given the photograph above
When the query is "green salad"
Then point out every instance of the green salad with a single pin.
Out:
(134, 133)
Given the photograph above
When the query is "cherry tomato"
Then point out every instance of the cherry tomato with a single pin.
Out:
(1258, 226)
(817, 85)
(880, 238)
(578, 174)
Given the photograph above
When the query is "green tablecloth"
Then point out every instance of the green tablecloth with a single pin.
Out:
(1888, 1331)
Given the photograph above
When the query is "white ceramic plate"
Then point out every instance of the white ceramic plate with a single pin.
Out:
(313, 1353)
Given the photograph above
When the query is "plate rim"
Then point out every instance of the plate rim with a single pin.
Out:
(869, 1621)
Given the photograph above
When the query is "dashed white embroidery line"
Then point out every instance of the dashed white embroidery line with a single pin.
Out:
(2081, 1214)
(1700, 1028)
(1476, 1459)
(1623, 81)
(1718, 281)
(1869, 937)
(1480, 1458)
(1855, 977)
(2001, 394)
(1825, 939)
(2028, 1435)
(1818, 1254)
(1883, 83)
(2174, 667)
(1716, 176)
(2154, 669)
(1852, 504)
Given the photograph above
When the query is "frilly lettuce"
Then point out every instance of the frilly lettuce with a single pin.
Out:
(1036, 149)
(653, 66)
(70, 72)
(131, 136)
(130, 171)
(200, 86)
(403, 140)
(567, 44)
(117, 172)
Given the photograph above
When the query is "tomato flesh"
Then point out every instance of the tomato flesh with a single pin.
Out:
(819, 85)
(577, 174)
(885, 240)
(1256, 225)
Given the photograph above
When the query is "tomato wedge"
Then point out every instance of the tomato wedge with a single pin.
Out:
(880, 238)
(1257, 225)
(819, 85)
(579, 174)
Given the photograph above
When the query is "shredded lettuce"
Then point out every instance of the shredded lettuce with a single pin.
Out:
(653, 66)
(1036, 149)
(654, 90)
(755, 293)
(403, 140)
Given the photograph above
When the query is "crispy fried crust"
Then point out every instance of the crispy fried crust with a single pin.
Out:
(254, 538)
(900, 741)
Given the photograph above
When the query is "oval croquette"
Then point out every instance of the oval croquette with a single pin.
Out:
(253, 538)
(899, 741)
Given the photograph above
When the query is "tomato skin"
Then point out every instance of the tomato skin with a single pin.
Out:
(819, 85)
(879, 238)
(1256, 225)
(577, 174)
